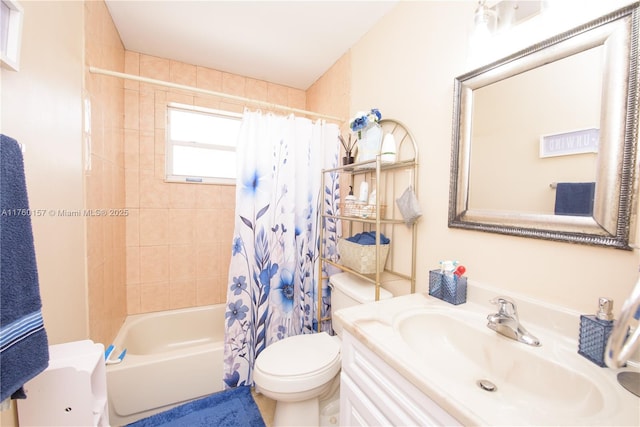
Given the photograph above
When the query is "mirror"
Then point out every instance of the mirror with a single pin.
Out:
(544, 141)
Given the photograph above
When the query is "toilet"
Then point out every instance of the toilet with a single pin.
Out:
(302, 373)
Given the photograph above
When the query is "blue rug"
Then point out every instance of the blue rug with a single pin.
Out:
(229, 408)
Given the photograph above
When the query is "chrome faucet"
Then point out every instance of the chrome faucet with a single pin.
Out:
(506, 322)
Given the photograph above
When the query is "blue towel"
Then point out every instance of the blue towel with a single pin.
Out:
(368, 238)
(575, 198)
(24, 349)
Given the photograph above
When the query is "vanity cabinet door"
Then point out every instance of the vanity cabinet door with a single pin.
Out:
(373, 393)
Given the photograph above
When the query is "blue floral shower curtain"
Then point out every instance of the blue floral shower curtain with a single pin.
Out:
(273, 271)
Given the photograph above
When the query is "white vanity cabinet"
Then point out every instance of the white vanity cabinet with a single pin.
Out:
(372, 393)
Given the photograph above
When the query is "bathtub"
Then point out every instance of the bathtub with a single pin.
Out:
(172, 357)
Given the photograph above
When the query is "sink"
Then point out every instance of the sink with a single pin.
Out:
(461, 350)
(479, 377)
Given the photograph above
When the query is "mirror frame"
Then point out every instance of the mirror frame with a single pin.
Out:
(616, 181)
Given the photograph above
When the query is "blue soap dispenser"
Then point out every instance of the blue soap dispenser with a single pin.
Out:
(595, 332)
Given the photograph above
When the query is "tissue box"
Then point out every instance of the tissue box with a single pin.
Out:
(361, 258)
(452, 289)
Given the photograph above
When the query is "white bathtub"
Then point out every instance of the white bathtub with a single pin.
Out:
(172, 357)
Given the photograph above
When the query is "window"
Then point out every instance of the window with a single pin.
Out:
(11, 14)
(201, 145)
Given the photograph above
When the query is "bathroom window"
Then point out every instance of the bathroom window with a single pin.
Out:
(201, 145)
(11, 17)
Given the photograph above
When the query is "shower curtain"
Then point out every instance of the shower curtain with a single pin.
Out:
(272, 291)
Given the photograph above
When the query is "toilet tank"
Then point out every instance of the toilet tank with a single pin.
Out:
(348, 290)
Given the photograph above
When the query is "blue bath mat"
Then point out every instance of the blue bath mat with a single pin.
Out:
(229, 408)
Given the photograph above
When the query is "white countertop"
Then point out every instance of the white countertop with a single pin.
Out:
(376, 326)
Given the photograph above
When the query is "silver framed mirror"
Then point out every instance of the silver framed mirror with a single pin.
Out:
(544, 141)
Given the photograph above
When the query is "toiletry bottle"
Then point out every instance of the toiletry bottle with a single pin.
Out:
(350, 197)
(364, 192)
(388, 150)
(595, 332)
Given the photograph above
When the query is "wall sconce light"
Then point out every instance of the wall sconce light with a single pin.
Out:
(485, 20)
(494, 17)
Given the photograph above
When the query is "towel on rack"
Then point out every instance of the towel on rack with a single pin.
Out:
(368, 238)
(24, 348)
(575, 198)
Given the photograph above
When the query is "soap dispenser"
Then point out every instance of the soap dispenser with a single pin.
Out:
(595, 332)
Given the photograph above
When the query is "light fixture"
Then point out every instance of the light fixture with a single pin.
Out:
(485, 23)
(485, 18)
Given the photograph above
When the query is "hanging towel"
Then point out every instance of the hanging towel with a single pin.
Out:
(24, 349)
(575, 198)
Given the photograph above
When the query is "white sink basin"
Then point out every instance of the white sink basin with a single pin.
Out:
(444, 350)
(466, 351)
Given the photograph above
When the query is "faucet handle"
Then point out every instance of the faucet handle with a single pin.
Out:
(506, 306)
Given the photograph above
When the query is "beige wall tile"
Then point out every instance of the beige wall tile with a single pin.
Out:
(206, 291)
(131, 107)
(154, 227)
(147, 150)
(233, 84)
(181, 73)
(133, 299)
(277, 94)
(146, 110)
(133, 265)
(105, 183)
(206, 78)
(132, 188)
(154, 264)
(179, 97)
(182, 226)
(296, 98)
(207, 224)
(131, 140)
(154, 297)
(182, 294)
(206, 261)
(183, 196)
(182, 263)
(154, 67)
(131, 66)
(256, 89)
(133, 228)
(153, 192)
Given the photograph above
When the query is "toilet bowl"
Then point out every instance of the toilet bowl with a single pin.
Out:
(303, 371)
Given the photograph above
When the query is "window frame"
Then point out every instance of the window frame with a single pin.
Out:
(10, 54)
(169, 144)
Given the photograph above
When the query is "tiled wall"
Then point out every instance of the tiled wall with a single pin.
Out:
(331, 94)
(178, 236)
(104, 175)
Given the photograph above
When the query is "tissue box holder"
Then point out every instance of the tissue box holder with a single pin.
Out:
(452, 289)
(361, 258)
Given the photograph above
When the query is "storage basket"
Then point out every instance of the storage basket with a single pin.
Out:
(361, 258)
(449, 288)
(361, 210)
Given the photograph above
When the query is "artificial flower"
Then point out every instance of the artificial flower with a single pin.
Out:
(363, 119)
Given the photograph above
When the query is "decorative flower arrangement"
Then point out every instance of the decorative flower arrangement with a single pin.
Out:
(362, 120)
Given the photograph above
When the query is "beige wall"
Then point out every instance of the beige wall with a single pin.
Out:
(406, 66)
(42, 109)
(104, 175)
(178, 235)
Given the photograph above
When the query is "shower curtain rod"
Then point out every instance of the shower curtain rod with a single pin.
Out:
(269, 105)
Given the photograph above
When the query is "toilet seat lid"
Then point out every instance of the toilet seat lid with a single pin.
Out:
(299, 355)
